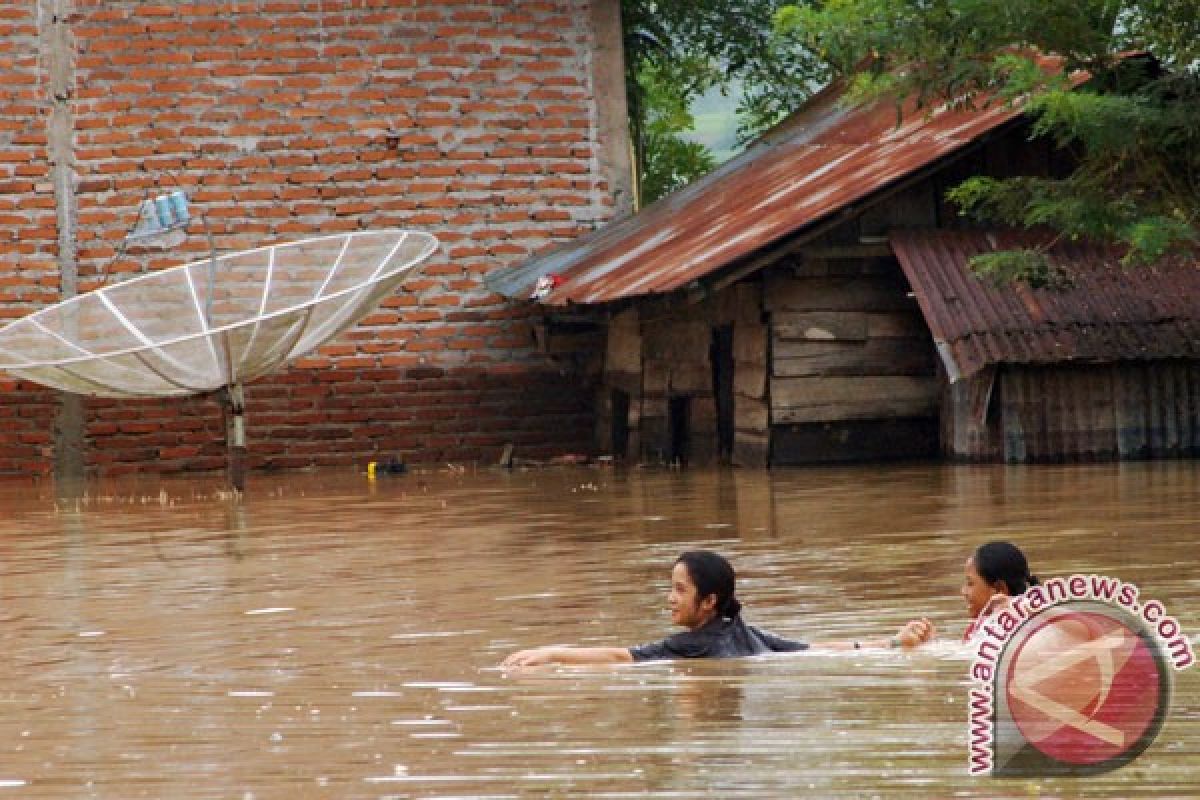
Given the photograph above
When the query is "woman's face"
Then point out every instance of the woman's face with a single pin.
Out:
(975, 590)
(687, 609)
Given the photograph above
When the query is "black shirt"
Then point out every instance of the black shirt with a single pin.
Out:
(717, 638)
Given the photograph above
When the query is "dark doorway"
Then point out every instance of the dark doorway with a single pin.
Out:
(679, 427)
(619, 424)
(721, 355)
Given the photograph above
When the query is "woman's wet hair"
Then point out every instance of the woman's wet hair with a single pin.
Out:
(1004, 561)
(712, 574)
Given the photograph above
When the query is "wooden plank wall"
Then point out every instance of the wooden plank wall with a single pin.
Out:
(849, 350)
(751, 409)
(1132, 410)
(659, 349)
(1157, 409)
(622, 373)
(675, 350)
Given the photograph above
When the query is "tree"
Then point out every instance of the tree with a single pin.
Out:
(669, 161)
(1131, 129)
(675, 50)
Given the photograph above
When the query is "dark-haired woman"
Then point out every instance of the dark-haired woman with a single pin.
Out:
(702, 600)
(995, 572)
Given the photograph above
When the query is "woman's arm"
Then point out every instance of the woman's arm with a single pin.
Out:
(916, 632)
(560, 654)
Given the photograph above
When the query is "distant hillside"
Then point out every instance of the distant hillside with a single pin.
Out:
(716, 123)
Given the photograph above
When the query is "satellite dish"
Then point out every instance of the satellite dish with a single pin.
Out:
(214, 324)
(201, 326)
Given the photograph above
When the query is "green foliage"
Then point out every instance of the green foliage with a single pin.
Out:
(676, 50)
(670, 161)
(1030, 266)
(1129, 136)
(1170, 29)
(1151, 238)
(947, 48)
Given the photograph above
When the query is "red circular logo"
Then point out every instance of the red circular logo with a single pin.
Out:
(1084, 689)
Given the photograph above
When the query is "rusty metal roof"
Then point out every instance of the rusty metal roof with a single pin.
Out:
(824, 158)
(1109, 313)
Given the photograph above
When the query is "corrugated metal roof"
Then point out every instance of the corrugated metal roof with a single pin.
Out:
(824, 158)
(1109, 313)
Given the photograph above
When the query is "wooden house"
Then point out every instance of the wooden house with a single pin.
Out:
(811, 301)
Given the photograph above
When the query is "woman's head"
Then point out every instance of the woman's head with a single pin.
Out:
(995, 568)
(702, 587)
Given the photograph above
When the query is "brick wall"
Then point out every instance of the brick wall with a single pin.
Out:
(28, 234)
(473, 120)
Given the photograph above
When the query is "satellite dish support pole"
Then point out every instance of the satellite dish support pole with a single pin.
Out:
(234, 403)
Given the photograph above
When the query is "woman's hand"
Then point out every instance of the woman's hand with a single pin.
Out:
(916, 632)
(562, 654)
(534, 657)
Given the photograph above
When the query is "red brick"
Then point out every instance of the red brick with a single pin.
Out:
(306, 145)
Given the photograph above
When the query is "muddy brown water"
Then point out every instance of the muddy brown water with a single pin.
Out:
(337, 637)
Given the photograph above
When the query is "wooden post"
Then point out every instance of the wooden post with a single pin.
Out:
(56, 52)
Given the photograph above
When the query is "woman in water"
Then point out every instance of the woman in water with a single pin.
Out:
(993, 574)
(702, 600)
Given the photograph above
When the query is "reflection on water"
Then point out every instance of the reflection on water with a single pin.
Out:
(332, 637)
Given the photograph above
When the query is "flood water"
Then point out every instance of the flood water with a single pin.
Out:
(338, 637)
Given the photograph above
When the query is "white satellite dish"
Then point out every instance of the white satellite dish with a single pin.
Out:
(201, 326)
(214, 324)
